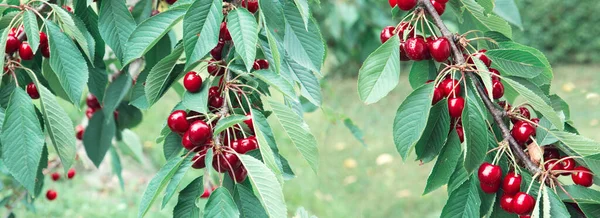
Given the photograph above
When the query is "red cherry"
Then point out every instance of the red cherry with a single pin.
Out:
(51, 194)
(489, 173)
(251, 5)
(442, 1)
(582, 176)
(481, 55)
(506, 202)
(213, 91)
(206, 193)
(393, 3)
(170, 1)
(437, 95)
(177, 121)
(116, 115)
(552, 165)
(12, 44)
(66, 7)
(524, 112)
(216, 102)
(224, 32)
(524, 216)
(405, 26)
(55, 176)
(523, 203)
(92, 102)
(71, 173)
(439, 49)
(199, 159)
(79, 132)
(226, 161)
(45, 50)
(214, 69)
(386, 33)
(450, 87)
(461, 133)
(551, 153)
(25, 51)
(511, 183)
(262, 63)
(497, 89)
(504, 105)
(416, 49)
(217, 51)
(192, 81)
(199, 132)
(244, 145)
(439, 7)
(495, 74)
(89, 112)
(489, 188)
(536, 120)
(456, 106)
(43, 38)
(256, 66)
(248, 122)
(239, 174)
(406, 5)
(521, 131)
(32, 91)
(403, 56)
(568, 164)
(187, 143)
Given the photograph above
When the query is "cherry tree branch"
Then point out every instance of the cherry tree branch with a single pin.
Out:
(495, 111)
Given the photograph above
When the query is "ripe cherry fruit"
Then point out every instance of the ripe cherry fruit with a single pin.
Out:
(217, 51)
(456, 106)
(251, 5)
(248, 122)
(177, 121)
(12, 44)
(25, 51)
(55, 176)
(438, 95)
(43, 38)
(405, 26)
(439, 49)
(224, 32)
(481, 55)
(521, 131)
(199, 132)
(582, 176)
(79, 129)
(406, 5)
(495, 74)
(551, 153)
(489, 173)
(192, 82)
(393, 3)
(489, 188)
(568, 164)
(239, 174)
(170, 1)
(506, 202)
(553, 166)
(187, 143)
(461, 134)
(216, 102)
(439, 7)
(523, 203)
(416, 48)
(199, 159)
(386, 33)
(244, 145)
(32, 91)
(92, 102)
(71, 173)
(497, 89)
(511, 183)
(51, 194)
(225, 161)
(450, 87)
(214, 69)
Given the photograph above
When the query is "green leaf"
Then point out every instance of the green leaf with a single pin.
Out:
(514, 62)
(581, 145)
(201, 26)
(39, 184)
(158, 183)
(277, 82)
(557, 207)
(149, 32)
(117, 168)
(417, 76)
(244, 33)
(66, 61)
(22, 139)
(3, 39)
(486, 77)
(445, 164)
(220, 204)
(267, 190)
(542, 136)
(134, 145)
(298, 132)
(475, 130)
(248, 205)
(266, 143)
(152, 57)
(228, 122)
(484, 22)
(115, 92)
(309, 84)
(158, 78)
(141, 11)
(508, 10)
(116, 25)
(355, 130)
(438, 126)
(380, 72)
(464, 201)
(580, 194)
(274, 20)
(536, 99)
(172, 145)
(186, 202)
(53, 82)
(304, 45)
(98, 136)
(411, 119)
(197, 101)
(176, 179)
(488, 6)
(74, 27)
(32, 30)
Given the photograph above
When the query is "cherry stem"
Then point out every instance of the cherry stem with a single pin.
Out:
(496, 113)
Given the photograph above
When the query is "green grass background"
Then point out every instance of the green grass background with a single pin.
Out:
(350, 182)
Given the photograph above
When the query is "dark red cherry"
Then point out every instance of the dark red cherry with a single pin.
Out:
(51, 194)
(553, 165)
(177, 121)
(225, 162)
(439, 7)
(461, 133)
(43, 38)
(216, 102)
(199, 132)
(439, 49)
(524, 112)
(79, 132)
(551, 153)
(239, 174)
(403, 27)
(251, 5)
(214, 69)
(206, 193)
(495, 74)
(244, 145)
(456, 106)
(450, 87)
(481, 55)
(12, 44)
(497, 89)
(170, 1)
(192, 82)
(506, 202)
(187, 143)
(403, 56)
(224, 32)
(582, 176)
(386, 33)
(489, 188)
(521, 131)
(262, 63)
(406, 5)
(438, 95)
(89, 112)
(442, 1)
(511, 183)
(45, 50)
(92, 101)
(568, 164)
(199, 159)
(32, 91)
(489, 173)
(213, 91)
(71, 173)
(523, 203)
(55, 176)
(217, 51)
(416, 49)
(25, 51)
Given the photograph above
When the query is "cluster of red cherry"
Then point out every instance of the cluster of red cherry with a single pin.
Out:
(512, 200)
(93, 105)
(13, 44)
(51, 194)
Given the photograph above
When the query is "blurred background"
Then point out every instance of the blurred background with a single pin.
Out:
(353, 180)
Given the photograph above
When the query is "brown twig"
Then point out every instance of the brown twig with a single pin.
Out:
(496, 112)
